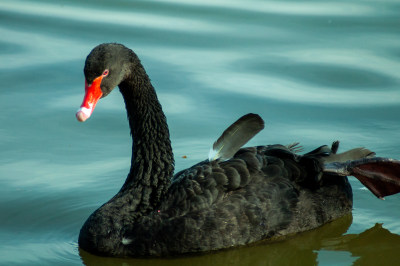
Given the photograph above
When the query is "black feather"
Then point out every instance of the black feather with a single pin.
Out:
(235, 136)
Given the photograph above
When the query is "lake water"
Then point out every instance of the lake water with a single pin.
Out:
(316, 71)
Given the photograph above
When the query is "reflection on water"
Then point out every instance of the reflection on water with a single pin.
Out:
(315, 71)
(375, 246)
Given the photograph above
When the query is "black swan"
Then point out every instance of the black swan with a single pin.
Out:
(236, 197)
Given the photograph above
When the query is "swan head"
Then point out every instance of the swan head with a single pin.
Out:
(106, 67)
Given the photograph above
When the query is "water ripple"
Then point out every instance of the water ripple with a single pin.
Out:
(120, 17)
(316, 71)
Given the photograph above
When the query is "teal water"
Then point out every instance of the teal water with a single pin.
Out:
(316, 71)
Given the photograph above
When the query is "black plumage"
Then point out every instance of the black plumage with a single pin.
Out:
(262, 192)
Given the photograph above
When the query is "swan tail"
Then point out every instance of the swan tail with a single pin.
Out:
(235, 136)
(350, 155)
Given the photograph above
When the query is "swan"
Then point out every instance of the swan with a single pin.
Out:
(235, 197)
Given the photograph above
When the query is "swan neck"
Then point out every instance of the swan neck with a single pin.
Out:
(152, 163)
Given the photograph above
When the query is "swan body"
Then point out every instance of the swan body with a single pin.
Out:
(237, 197)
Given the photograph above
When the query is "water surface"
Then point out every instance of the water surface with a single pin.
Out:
(315, 71)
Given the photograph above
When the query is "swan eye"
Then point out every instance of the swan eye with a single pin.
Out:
(105, 73)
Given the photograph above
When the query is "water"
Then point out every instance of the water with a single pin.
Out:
(315, 71)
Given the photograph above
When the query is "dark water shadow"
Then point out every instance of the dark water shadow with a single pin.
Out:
(375, 246)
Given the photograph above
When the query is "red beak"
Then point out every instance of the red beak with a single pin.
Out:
(92, 95)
